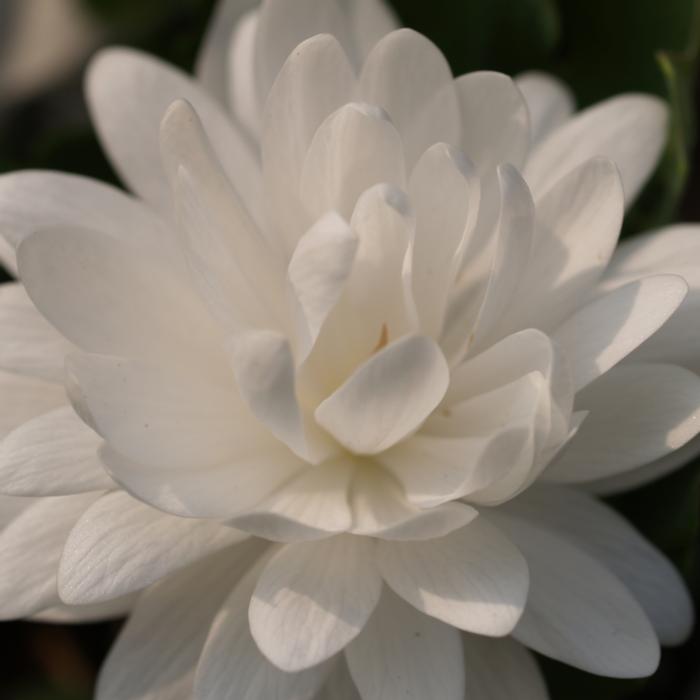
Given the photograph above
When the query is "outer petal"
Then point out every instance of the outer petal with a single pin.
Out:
(549, 102)
(61, 614)
(676, 250)
(577, 612)
(137, 304)
(25, 398)
(28, 343)
(120, 545)
(605, 330)
(54, 454)
(312, 599)
(483, 579)
(30, 549)
(339, 685)
(501, 669)
(156, 653)
(648, 473)
(232, 667)
(578, 222)
(224, 246)
(388, 397)
(127, 93)
(637, 413)
(609, 538)
(175, 420)
(404, 655)
(33, 200)
(220, 491)
(628, 129)
(495, 121)
(408, 76)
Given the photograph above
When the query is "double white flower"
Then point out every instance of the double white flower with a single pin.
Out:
(372, 317)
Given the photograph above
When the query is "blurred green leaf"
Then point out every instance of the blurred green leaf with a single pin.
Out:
(504, 35)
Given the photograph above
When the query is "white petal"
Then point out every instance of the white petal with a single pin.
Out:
(609, 538)
(495, 122)
(312, 599)
(489, 457)
(549, 102)
(370, 20)
(629, 129)
(120, 545)
(264, 369)
(354, 148)
(30, 549)
(315, 81)
(223, 245)
(637, 413)
(128, 92)
(376, 304)
(107, 296)
(444, 191)
(25, 398)
(339, 685)
(263, 365)
(156, 653)
(501, 669)
(211, 64)
(282, 27)
(163, 418)
(646, 474)
(312, 505)
(674, 250)
(577, 612)
(577, 225)
(233, 668)
(28, 344)
(404, 655)
(318, 270)
(388, 397)
(407, 75)
(61, 614)
(510, 359)
(513, 247)
(605, 330)
(54, 454)
(655, 251)
(220, 491)
(33, 200)
(380, 509)
(241, 77)
(483, 581)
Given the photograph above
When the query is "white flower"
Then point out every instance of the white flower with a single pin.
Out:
(341, 321)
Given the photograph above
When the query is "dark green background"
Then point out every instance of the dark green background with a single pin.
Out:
(600, 47)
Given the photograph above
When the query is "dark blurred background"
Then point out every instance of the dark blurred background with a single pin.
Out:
(599, 47)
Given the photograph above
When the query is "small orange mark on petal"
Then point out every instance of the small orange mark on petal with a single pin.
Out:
(383, 339)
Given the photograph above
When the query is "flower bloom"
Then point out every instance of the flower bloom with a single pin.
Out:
(325, 405)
